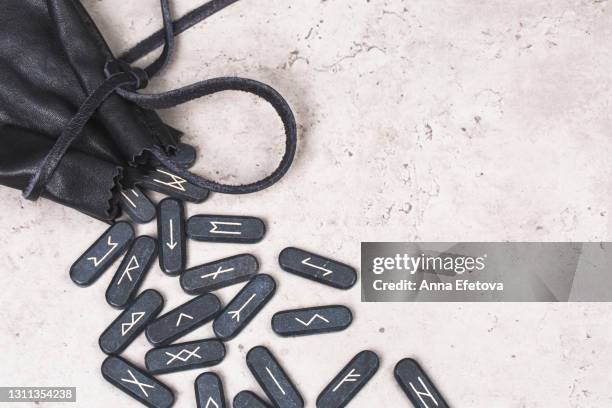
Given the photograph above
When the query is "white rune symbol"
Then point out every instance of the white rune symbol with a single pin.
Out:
(422, 394)
(172, 243)
(209, 401)
(126, 327)
(236, 313)
(275, 381)
(312, 319)
(185, 315)
(350, 377)
(179, 356)
(112, 246)
(129, 268)
(176, 183)
(215, 227)
(326, 271)
(138, 383)
(128, 198)
(217, 273)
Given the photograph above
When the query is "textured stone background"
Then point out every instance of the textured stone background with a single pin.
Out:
(419, 120)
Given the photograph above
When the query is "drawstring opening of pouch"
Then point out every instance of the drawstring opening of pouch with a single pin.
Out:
(125, 80)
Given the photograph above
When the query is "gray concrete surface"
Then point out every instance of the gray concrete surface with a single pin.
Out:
(419, 120)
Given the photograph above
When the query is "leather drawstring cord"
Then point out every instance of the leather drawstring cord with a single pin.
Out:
(125, 80)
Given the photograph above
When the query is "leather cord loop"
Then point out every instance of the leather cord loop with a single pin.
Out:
(214, 85)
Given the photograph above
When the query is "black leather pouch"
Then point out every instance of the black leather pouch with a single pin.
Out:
(53, 61)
